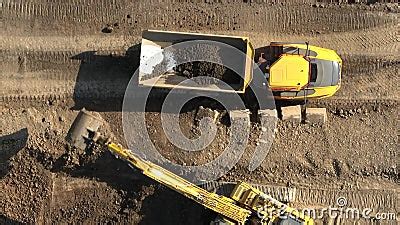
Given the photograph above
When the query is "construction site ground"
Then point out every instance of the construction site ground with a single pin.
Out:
(57, 57)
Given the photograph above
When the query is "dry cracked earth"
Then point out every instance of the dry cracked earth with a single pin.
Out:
(57, 57)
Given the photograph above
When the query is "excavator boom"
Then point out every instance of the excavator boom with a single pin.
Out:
(220, 204)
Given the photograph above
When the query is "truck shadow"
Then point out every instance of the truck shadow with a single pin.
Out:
(162, 208)
(102, 166)
(102, 79)
(8, 221)
(10, 145)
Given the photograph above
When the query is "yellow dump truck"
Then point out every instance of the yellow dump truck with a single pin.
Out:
(292, 71)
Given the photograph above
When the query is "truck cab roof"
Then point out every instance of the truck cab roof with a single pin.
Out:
(289, 72)
(292, 70)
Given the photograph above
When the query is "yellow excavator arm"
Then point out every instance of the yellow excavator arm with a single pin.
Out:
(218, 203)
(244, 199)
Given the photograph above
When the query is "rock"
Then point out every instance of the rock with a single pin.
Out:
(291, 113)
(268, 118)
(108, 29)
(49, 102)
(186, 73)
(240, 114)
(316, 115)
(206, 112)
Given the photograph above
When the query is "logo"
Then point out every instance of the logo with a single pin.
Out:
(341, 201)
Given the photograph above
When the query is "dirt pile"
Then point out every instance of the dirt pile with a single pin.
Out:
(194, 68)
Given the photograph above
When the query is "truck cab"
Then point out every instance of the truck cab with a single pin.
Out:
(298, 71)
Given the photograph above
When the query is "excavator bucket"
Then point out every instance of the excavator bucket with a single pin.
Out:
(84, 128)
(162, 51)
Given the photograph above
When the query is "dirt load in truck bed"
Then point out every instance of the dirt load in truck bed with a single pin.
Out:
(194, 68)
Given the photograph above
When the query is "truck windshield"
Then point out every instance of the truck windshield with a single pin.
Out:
(314, 72)
(324, 73)
(298, 51)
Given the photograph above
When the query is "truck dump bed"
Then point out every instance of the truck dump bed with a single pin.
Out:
(162, 53)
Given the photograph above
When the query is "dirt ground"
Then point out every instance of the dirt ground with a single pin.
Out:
(60, 56)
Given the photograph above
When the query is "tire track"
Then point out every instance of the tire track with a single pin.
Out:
(68, 43)
(367, 198)
(131, 18)
(58, 72)
(65, 74)
(276, 19)
(381, 41)
(378, 84)
(44, 63)
(351, 2)
(48, 89)
(81, 11)
(336, 103)
(355, 64)
(364, 198)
